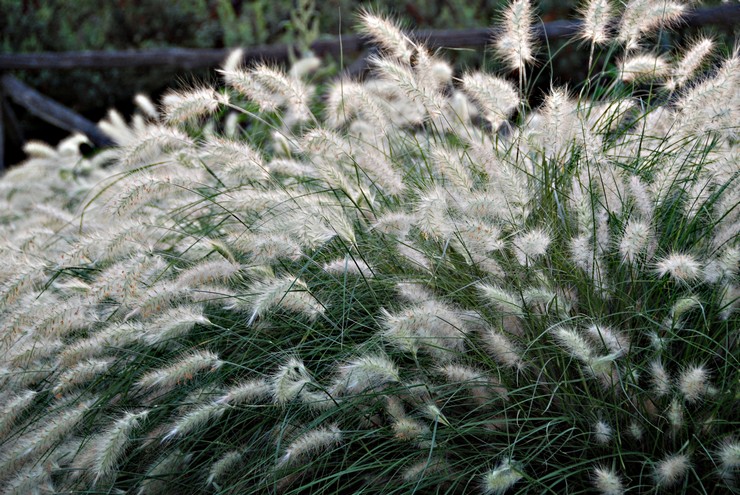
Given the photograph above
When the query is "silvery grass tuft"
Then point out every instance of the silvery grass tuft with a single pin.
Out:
(414, 283)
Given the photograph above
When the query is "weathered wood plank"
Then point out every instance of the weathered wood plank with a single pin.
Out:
(51, 111)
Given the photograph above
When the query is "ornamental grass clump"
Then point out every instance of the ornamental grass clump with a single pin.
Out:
(414, 283)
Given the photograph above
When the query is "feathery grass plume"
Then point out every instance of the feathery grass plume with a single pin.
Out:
(348, 99)
(451, 166)
(661, 381)
(480, 384)
(158, 298)
(496, 97)
(147, 106)
(675, 416)
(499, 479)
(615, 342)
(728, 454)
(174, 323)
(607, 481)
(683, 268)
(290, 381)
(180, 372)
(502, 349)
(43, 438)
(636, 239)
(83, 373)
(693, 383)
(431, 326)
(304, 66)
(503, 301)
(692, 60)
(375, 163)
(349, 265)
(408, 429)
(200, 417)
(14, 408)
(208, 272)
(643, 67)
(246, 392)
(292, 91)
(387, 35)
(683, 306)
(643, 16)
(32, 479)
(603, 433)
(425, 467)
(237, 160)
(224, 466)
(433, 213)
(115, 336)
(672, 469)
(233, 60)
(313, 442)
(595, 15)
(635, 430)
(531, 245)
(181, 107)
(413, 86)
(365, 373)
(244, 83)
(712, 104)
(515, 43)
(109, 446)
(286, 292)
(574, 343)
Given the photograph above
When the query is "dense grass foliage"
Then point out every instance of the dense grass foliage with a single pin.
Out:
(410, 284)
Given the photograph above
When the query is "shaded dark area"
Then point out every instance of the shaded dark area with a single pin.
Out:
(67, 25)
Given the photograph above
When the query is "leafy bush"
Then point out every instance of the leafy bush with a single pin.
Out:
(414, 283)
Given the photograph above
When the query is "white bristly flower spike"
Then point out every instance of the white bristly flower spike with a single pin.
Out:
(683, 268)
(607, 481)
(310, 443)
(693, 383)
(603, 433)
(515, 43)
(671, 470)
(596, 15)
(498, 480)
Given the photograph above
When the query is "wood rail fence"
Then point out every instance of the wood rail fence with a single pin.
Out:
(57, 114)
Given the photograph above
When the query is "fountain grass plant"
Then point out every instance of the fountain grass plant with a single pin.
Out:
(414, 283)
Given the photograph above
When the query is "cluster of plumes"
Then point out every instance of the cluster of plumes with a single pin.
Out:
(398, 292)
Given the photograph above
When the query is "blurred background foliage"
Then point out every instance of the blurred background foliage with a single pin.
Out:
(67, 25)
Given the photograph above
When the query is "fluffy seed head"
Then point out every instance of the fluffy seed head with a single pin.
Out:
(603, 433)
(671, 470)
(639, 68)
(691, 61)
(661, 380)
(310, 443)
(386, 34)
(515, 43)
(497, 97)
(607, 481)
(531, 245)
(596, 16)
(501, 478)
(693, 383)
(185, 106)
(682, 268)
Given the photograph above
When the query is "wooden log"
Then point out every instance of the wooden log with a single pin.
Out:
(723, 15)
(51, 111)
